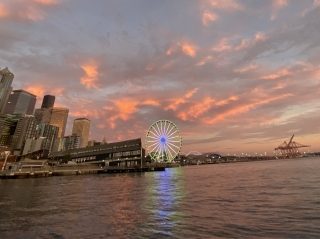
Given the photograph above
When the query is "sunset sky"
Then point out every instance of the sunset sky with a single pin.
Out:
(235, 76)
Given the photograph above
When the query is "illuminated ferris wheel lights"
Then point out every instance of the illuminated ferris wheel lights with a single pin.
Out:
(163, 141)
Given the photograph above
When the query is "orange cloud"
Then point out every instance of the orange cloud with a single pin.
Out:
(243, 109)
(203, 106)
(276, 6)
(222, 45)
(204, 61)
(46, 2)
(197, 109)
(227, 101)
(278, 75)
(176, 102)
(91, 74)
(33, 10)
(230, 5)
(32, 13)
(279, 3)
(246, 43)
(208, 17)
(225, 45)
(4, 12)
(90, 113)
(39, 90)
(247, 68)
(187, 48)
(124, 109)
(151, 102)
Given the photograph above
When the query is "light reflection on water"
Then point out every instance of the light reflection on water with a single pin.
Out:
(271, 199)
(164, 194)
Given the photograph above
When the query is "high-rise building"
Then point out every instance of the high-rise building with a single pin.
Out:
(8, 124)
(26, 129)
(43, 115)
(45, 139)
(50, 132)
(71, 142)
(59, 117)
(81, 127)
(6, 78)
(20, 102)
(48, 101)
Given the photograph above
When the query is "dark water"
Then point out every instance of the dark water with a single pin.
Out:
(271, 199)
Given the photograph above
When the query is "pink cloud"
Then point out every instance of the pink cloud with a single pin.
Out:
(244, 108)
(197, 109)
(186, 47)
(233, 44)
(277, 5)
(230, 5)
(176, 102)
(200, 107)
(222, 46)
(4, 12)
(46, 2)
(91, 74)
(280, 74)
(124, 109)
(208, 17)
(33, 10)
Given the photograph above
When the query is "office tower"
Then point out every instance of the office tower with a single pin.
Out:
(50, 132)
(20, 102)
(6, 78)
(48, 102)
(71, 142)
(45, 139)
(26, 129)
(59, 117)
(43, 115)
(8, 124)
(81, 127)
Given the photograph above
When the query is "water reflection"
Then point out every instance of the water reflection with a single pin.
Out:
(165, 192)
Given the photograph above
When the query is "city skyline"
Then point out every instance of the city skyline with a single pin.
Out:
(233, 78)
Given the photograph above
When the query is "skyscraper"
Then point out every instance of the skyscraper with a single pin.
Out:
(45, 139)
(81, 127)
(43, 114)
(20, 102)
(6, 78)
(26, 129)
(49, 132)
(59, 117)
(8, 124)
(48, 102)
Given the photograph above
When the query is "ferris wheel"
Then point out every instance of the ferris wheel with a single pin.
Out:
(163, 141)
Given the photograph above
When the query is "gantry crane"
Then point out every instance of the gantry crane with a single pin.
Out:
(290, 149)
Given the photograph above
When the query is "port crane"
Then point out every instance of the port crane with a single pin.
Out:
(290, 149)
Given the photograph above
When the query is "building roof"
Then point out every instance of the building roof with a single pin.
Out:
(81, 119)
(99, 149)
(24, 91)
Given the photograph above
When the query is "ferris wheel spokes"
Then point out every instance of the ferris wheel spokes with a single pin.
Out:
(163, 141)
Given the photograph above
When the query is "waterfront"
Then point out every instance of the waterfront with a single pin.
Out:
(255, 199)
